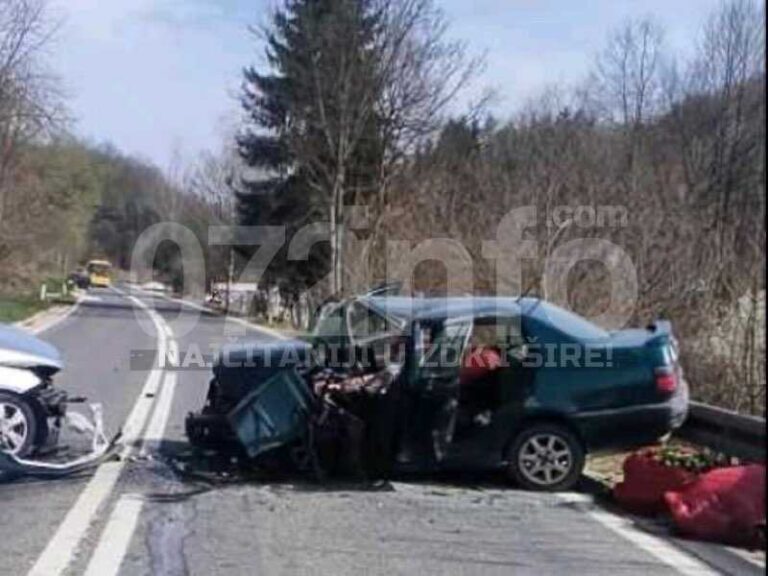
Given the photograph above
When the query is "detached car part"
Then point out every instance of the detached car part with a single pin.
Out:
(101, 449)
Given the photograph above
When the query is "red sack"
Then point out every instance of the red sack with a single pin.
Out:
(479, 362)
(645, 482)
(726, 505)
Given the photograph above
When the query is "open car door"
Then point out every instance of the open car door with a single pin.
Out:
(435, 387)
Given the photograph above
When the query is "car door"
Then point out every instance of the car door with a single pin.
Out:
(435, 386)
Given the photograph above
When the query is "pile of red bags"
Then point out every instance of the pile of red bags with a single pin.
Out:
(724, 505)
(646, 480)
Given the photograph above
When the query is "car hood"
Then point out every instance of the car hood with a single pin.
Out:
(20, 349)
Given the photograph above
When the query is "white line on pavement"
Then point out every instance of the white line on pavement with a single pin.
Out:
(55, 321)
(156, 429)
(116, 538)
(61, 549)
(661, 549)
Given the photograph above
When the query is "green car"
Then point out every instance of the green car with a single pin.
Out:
(435, 383)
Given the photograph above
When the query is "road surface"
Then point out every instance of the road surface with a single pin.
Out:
(140, 516)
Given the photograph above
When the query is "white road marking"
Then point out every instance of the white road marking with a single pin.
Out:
(659, 548)
(156, 429)
(55, 322)
(116, 538)
(61, 549)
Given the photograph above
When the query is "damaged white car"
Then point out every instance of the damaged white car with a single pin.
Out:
(33, 410)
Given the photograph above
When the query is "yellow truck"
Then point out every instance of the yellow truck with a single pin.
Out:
(99, 273)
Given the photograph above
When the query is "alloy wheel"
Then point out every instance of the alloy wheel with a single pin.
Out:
(14, 428)
(545, 459)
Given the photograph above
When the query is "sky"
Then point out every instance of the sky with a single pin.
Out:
(159, 79)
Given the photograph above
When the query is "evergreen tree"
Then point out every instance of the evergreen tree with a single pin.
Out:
(312, 144)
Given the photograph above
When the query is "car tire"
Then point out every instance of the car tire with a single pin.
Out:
(27, 427)
(546, 457)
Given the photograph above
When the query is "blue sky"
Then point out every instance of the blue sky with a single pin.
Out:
(159, 78)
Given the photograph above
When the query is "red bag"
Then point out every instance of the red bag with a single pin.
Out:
(479, 362)
(726, 505)
(645, 482)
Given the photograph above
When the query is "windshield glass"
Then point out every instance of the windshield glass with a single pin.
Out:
(99, 268)
(331, 321)
(365, 324)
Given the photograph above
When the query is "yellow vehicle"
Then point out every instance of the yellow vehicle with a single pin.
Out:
(99, 273)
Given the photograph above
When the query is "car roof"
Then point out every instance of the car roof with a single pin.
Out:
(409, 308)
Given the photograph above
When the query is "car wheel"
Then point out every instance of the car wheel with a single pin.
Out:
(18, 425)
(546, 457)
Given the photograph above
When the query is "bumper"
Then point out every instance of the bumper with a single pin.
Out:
(635, 426)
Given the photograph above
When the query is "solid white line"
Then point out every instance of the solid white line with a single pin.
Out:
(661, 549)
(156, 429)
(56, 321)
(116, 538)
(61, 549)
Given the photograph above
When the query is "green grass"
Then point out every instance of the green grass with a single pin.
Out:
(13, 309)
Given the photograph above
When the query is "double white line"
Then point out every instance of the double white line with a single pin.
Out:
(113, 544)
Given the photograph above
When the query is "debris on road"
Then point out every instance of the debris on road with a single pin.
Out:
(101, 449)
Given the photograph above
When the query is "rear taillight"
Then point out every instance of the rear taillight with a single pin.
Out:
(666, 379)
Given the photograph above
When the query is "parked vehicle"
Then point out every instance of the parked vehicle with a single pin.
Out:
(31, 408)
(426, 383)
(79, 279)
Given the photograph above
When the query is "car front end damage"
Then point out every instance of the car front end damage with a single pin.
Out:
(33, 411)
(268, 400)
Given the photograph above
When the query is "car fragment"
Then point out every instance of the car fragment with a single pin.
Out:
(100, 449)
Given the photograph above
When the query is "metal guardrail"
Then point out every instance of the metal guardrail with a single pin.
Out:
(725, 431)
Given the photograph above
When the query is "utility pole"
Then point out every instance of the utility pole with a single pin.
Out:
(230, 275)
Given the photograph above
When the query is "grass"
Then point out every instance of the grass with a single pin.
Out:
(14, 309)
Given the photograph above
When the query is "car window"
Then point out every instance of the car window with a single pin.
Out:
(332, 322)
(570, 323)
(444, 344)
(365, 324)
(497, 332)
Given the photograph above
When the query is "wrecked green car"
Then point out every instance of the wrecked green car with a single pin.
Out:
(392, 383)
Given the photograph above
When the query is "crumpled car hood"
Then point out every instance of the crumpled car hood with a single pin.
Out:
(20, 349)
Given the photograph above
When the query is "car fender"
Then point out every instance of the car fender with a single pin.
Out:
(17, 380)
(538, 415)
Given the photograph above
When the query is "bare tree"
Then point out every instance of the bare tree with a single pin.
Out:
(628, 69)
(29, 100)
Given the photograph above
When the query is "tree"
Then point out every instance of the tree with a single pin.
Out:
(29, 99)
(354, 86)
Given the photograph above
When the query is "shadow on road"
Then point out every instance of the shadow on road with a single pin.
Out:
(221, 469)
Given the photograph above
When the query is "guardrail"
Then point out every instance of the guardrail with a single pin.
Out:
(725, 431)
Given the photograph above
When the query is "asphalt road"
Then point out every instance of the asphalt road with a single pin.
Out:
(140, 516)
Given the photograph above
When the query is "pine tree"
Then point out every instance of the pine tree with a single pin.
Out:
(313, 140)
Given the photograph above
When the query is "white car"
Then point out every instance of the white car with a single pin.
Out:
(31, 408)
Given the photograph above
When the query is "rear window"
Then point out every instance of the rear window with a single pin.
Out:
(570, 323)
